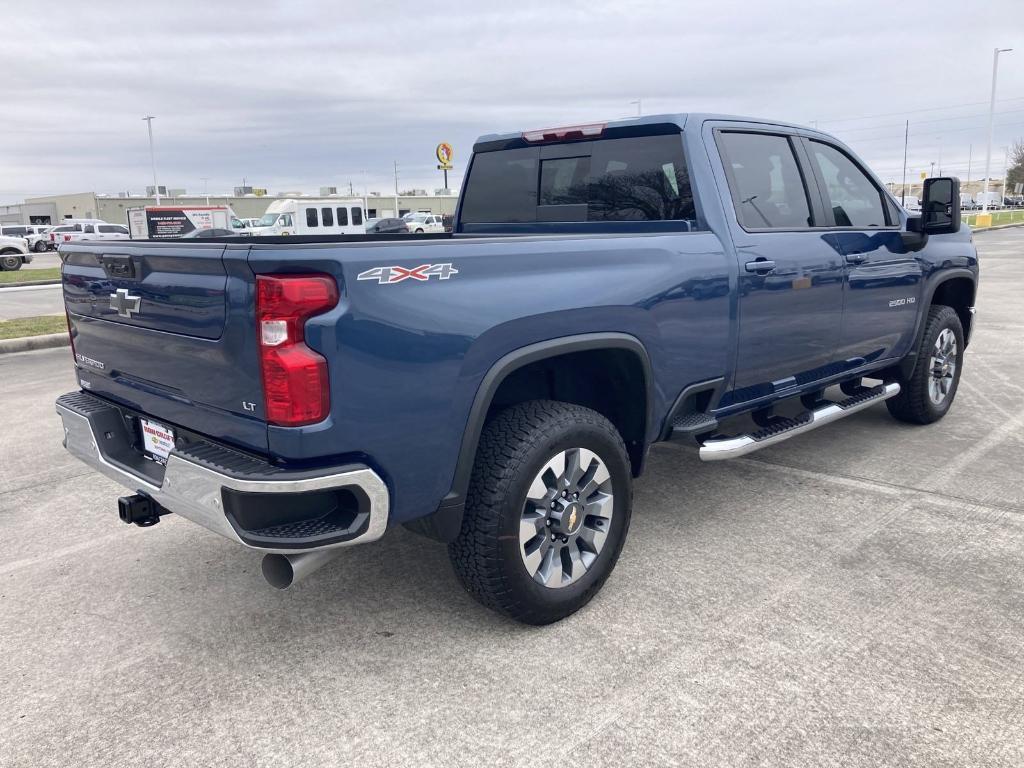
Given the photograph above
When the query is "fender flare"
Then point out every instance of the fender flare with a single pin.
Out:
(906, 365)
(444, 524)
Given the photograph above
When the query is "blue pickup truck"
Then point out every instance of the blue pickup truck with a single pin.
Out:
(722, 281)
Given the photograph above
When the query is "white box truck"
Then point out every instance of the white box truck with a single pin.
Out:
(165, 222)
(326, 216)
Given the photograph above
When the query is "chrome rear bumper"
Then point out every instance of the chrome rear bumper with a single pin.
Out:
(197, 491)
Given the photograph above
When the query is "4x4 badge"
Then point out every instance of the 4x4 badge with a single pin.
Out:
(387, 275)
(124, 302)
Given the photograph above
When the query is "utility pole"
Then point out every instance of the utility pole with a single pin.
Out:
(906, 138)
(396, 190)
(931, 174)
(152, 156)
(991, 118)
(206, 191)
(970, 152)
(940, 155)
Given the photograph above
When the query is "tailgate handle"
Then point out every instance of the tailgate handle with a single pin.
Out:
(119, 266)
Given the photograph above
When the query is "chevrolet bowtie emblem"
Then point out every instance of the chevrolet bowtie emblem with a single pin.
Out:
(124, 302)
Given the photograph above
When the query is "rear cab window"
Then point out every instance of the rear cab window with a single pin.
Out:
(768, 190)
(632, 180)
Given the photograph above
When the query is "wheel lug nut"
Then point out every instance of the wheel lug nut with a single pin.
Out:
(565, 539)
(552, 537)
(575, 495)
(547, 522)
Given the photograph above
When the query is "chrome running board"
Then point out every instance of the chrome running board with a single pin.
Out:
(720, 448)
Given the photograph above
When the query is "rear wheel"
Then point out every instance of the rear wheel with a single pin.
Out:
(547, 512)
(927, 394)
(10, 261)
(40, 246)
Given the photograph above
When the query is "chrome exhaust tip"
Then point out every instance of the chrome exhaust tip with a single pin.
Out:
(281, 571)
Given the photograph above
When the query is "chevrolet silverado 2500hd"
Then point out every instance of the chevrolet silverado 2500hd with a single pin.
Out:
(685, 277)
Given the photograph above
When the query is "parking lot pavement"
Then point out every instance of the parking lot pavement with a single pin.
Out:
(852, 597)
(31, 300)
(45, 260)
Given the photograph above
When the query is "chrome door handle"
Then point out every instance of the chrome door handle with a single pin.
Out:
(856, 258)
(760, 266)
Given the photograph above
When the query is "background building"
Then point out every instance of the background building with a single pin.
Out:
(113, 208)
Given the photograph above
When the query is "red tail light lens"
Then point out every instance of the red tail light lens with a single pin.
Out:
(296, 389)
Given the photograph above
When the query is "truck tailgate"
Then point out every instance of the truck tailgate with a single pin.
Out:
(168, 329)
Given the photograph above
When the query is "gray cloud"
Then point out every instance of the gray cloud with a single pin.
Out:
(293, 95)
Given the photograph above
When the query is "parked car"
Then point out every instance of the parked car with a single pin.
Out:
(423, 222)
(911, 203)
(13, 253)
(500, 392)
(387, 227)
(30, 232)
(204, 234)
(967, 202)
(99, 231)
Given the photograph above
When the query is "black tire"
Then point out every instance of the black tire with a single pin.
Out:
(40, 246)
(913, 404)
(514, 447)
(10, 261)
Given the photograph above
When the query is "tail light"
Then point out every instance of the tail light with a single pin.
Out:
(591, 131)
(296, 389)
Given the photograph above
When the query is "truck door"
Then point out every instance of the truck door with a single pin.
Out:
(790, 272)
(883, 279)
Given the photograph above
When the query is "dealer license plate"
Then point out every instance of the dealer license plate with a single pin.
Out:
(156, 438)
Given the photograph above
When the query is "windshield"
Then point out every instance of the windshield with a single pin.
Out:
(268, 220)
(415, 217)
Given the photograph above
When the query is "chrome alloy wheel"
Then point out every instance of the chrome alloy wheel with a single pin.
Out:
(942, 367)
(566, 518)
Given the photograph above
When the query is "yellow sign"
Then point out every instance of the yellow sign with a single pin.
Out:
(445, 153)
(924, 175)
(259, 191)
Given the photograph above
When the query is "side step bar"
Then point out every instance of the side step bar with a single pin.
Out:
(718, 449)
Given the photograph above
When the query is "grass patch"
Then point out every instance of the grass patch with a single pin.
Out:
(30, 275)
(998, 217)
(33, 326)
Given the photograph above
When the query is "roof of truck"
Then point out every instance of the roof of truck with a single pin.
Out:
(678, 119)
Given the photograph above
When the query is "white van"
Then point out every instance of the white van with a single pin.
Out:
(297, 216)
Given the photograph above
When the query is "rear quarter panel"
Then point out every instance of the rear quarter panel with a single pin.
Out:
(407, 358)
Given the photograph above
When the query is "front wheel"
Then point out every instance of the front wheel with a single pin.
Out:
(10, 261)
(547, 512)
(927, 394)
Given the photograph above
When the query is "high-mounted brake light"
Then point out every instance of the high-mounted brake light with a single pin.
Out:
(296, 389)
(568, 133)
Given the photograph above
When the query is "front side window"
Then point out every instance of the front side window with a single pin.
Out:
(853, 197)
(311, 218)
(328, 216)
(107, 229)
(764, 179)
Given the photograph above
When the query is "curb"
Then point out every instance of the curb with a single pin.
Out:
(999, 226)
(26, 343)
(27, 283)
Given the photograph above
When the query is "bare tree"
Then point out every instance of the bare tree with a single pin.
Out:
(1015, 175)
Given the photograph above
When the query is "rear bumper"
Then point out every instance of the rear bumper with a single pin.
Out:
(251, 502)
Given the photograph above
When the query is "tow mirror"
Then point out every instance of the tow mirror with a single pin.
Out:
(940, 206)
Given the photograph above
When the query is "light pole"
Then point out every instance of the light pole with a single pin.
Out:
(152, 157)
(991, 118)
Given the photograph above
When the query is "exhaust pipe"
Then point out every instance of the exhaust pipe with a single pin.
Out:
(281, 571)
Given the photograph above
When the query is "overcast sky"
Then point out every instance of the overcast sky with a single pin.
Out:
(295, 95)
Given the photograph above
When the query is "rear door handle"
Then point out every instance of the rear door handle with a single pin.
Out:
(856, 258)
(760, 266)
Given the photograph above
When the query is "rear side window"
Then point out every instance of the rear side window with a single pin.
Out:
(631, 179)
(764, 179)
(328, 216)
(502, 187)
(311, 218)
(853, 197)
(343, 217)
(357, 216)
